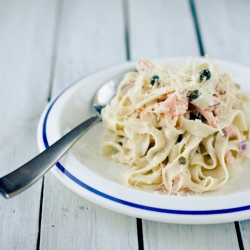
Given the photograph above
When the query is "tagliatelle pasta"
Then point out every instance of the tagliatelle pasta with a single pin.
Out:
(178, 128)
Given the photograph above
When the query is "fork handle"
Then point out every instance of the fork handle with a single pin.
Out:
(22, 178)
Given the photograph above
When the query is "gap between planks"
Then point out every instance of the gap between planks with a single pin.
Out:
(126, 28)
(55, 45)
(58, 14)
(197, 28)
(238, 232)
(40, 215)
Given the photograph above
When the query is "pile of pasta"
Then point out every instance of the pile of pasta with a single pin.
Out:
(178, 129)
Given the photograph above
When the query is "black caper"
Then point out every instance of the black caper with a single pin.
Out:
(120, 143)
(192, 116)
(179, 138)
(205, 74)
(197, 115)
(154, 79)
(194, 95)
(182, 160)
(200, 116)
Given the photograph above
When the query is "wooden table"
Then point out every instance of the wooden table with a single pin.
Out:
(47, 44)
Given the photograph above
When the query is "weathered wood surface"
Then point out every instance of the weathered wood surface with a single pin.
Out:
(71, 222)
(90, 38)
(55, 42)
(157, 30)
(225, 29)
(26, 47)
(228, 41)
(161, 29)
(189, 237)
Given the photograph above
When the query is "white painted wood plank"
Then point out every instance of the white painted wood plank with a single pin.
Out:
(188, 237)
(26, 39)
(71, 222)
(225, 29)
(226, 36)
(165, 28)
(91, 37)
(161, 29)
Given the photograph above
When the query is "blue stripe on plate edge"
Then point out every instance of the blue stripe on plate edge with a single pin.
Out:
(124, 202)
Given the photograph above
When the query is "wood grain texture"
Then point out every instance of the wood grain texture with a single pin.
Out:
(165, 28)
(91, 37)
(161, 29)
(226, 35)
(26, 38)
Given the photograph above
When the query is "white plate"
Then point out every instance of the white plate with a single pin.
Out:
(85, 172)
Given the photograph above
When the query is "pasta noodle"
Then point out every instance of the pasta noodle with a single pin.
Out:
(178, 129)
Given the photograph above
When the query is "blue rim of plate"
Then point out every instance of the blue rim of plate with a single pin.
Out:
(120, 201)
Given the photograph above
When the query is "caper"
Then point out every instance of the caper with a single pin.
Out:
(197, 115)
(192, 116)
(182, 160)
(154, 79)
(194, 95)
(205, 74)
(200, 117)
(179, 138)
(120, 143)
